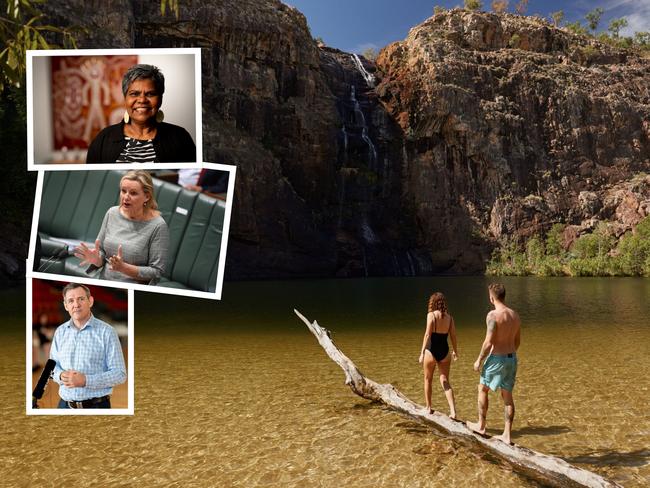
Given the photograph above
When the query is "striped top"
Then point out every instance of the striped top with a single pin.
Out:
(137, 151)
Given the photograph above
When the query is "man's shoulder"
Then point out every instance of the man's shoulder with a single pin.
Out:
(513, 313)
(100, 324)
(62, 327)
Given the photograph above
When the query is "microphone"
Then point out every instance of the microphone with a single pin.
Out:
(63, 253)
(37, 394)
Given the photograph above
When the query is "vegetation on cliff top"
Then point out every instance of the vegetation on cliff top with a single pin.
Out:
(640, 40)
(596, 254)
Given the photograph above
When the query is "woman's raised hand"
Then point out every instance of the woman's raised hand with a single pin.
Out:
(116, 261)
(89, 256)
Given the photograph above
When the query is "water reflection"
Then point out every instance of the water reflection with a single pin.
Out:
(238, 392)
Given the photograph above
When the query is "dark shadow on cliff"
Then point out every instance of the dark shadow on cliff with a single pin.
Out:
(17, 187)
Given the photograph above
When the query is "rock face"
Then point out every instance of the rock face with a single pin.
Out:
(266, 109)
(476, 127)
(512, 125)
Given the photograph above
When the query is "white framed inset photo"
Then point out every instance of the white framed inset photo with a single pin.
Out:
(113, 105)
(155, 228)
(79, 349)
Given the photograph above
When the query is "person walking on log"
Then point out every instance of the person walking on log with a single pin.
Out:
(500, 353)
(435, 349)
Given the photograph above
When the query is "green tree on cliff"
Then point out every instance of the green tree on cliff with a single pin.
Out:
(590, 253)
(593, 18)
(370, 53)
(616, 25)
(576, 27)
(473, 4)
(642, 39)
(554, 245)
(557, 18)
(521, 7)
(22, 27)
(633, 257)
(499, 6)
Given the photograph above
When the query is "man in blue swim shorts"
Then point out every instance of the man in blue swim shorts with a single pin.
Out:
(499, 351)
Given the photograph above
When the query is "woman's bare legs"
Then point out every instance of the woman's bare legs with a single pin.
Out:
(444, 366)
(428, 366)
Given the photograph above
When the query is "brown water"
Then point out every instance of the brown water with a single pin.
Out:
(239, 393)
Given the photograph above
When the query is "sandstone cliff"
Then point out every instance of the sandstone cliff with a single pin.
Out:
(512, 125)
(476, 127)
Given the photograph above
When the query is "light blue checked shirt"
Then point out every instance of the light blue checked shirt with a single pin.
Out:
(94, 351)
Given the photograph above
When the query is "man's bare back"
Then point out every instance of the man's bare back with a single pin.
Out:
(505, 338)
(499, 353)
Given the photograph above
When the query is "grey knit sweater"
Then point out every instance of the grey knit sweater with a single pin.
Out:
(145, 243)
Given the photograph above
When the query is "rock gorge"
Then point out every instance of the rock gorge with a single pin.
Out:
(474, 128)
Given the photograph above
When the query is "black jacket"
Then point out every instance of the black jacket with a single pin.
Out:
(213, 181)
(172, 144)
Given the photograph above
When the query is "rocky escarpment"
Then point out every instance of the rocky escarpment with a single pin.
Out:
(266, 109)
(315, 151)
(476, 127)
(512, 125)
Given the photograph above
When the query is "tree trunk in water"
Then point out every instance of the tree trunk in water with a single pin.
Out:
(546, 469)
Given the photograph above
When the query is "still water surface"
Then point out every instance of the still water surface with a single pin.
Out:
(238, 392)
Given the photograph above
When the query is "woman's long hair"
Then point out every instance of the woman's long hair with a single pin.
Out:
(437, 301)
(144, 178)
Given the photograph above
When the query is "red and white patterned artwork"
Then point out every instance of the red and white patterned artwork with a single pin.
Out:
(86, 96)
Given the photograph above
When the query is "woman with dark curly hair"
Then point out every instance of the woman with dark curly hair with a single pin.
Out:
(142, 137)
(435, 349)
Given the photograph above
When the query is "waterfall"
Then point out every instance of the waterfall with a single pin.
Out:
(396, 268)
(370, 79)
(341, 199)
(385, 190)
(365, 262)
(411, 266)
(360, 119)
(368, 234)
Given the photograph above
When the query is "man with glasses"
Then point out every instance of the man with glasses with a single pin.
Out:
(88, 355)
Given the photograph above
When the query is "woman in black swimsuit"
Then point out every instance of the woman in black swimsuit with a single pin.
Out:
(436, 350)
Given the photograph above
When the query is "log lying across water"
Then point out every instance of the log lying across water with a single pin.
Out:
(549, 470)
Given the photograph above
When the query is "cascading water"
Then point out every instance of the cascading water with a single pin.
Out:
(360, 120)
(411, 265)
(370, 79)
(368, 185)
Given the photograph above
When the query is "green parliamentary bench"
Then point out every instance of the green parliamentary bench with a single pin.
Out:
(73, 205)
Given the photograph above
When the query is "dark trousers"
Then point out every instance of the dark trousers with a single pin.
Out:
(103, 404)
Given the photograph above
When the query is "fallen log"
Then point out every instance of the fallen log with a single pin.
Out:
(549, 470)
